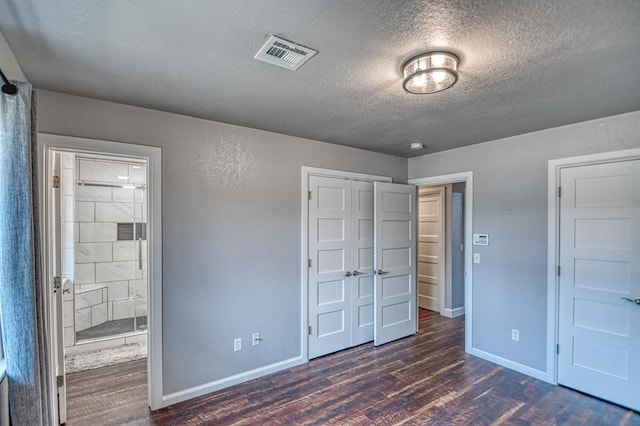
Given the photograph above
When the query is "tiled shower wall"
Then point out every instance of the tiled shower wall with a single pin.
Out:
(108, 281)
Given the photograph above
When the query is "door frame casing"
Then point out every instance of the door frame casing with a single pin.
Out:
(444, 254)
(307, 171)
(153, 155)
(553, 242)
(467, 178)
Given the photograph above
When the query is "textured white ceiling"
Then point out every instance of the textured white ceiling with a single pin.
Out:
(525, 65)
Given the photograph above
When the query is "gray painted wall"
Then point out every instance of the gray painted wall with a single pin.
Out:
(510, 203)
(10, 66)
(231, 229)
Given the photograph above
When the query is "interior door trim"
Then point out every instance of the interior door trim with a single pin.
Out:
(153, 155)
(467, 178)
(553, 243)
(304, 245)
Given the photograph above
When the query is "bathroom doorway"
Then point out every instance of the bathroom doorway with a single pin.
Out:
(104, 258)
(101, 234)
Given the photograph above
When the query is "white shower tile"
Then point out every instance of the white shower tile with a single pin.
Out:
(123, 195)
(93, 252)
(85, 273)
(138, 173)
(125, 250)
(136, 339)
(67, 261)
(140, 213)
(98, 232)
(76, 232)
(140, 196)
(69, 333)
(115, 271)
(93, 193)
(67, 182)
(102, 171)
(66, 207)
(67, 310)
(67, 234)
(89, 298)
(114, 212)
(85, 211)
(109, 311)
(98, 314)
(138, 288)
(118, 290)
(141, 307)
(123, 309)
(83, 319)
(68, 160)
(141, 273)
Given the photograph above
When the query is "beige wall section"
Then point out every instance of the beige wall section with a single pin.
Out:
(231, 229)
(510, 204)
(8, 62)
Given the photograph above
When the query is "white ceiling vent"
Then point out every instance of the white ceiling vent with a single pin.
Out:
(284, 53)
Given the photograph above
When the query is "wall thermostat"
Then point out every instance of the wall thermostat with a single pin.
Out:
(480, 239)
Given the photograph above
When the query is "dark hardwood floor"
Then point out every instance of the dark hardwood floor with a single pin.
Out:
(424, 379)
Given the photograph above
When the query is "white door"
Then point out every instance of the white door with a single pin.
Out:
(599, 323)
(395, 296)
(362, 202)
(56, 270)
(330, 252)
(431, 247)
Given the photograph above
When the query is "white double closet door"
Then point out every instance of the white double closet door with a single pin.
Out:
(361, 263)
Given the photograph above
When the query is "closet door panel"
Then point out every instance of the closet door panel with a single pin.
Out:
(331, 253)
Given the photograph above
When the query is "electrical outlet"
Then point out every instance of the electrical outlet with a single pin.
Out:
(476, 257)
(515, 335)
(255, 339)
(237, 344)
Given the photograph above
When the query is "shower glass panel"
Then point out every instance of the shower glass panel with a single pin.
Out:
(139, 285)
(111, 249)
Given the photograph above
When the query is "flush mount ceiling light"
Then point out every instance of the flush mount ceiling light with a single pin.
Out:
(417, 146)
(430, 72)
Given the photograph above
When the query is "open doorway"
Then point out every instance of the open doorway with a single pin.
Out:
(102, 260)
(441, 248)
(464, 179)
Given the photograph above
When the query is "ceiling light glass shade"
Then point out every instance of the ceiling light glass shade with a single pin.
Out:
(430, 72)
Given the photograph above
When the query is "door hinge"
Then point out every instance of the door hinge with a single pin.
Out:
(309, 263)
(309, 195)
(60, 381)
(309, 330)
(557, 349)
(559, 192)
(56, 182)
(558, 270)
(57, 283)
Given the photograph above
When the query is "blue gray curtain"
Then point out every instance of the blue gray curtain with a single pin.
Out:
(21, 293)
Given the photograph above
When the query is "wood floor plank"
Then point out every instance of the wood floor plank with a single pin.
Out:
(422, 379)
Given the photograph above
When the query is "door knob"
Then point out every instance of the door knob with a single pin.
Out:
(381, 272)
(348, 274)
(636, 300)
(356, 273)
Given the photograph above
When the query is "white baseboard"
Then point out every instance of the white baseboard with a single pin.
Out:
(452, 313)
(183, 395)
(512, 365)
